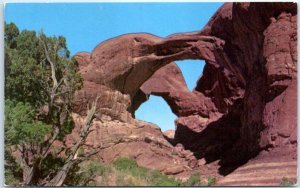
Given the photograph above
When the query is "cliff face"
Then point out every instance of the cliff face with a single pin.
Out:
(245, 101)
(260, 43)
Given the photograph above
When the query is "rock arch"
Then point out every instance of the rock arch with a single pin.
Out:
(248, 83)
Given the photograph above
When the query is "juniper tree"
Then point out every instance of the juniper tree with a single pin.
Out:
(40, 81)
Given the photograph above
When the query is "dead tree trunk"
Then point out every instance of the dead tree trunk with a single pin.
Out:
(31, 174)
(72, 160)
(61, 175)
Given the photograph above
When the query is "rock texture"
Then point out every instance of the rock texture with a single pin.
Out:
(269, 168)
(139, 140)
(243, 105)
(260, 42)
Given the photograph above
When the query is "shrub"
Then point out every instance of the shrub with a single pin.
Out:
(148, 176)
(211, 181)
(125, 164)
(286, 182)
(84, 174)
(126, 172)
(194, 180)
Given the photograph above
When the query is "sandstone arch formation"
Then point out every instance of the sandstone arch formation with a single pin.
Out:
(244, 103)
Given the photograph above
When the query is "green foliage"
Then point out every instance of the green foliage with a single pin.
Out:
(11, 33)
(80, 152)
(96, 168)
(27, 72)
(36, 109)
(83, 175)
(125, 164)
(286, 182)
(50, 165)
(25, 77)
(28, 84)
(13, 171)
(159, 179)
(152, 177)
(126, 172)
(211, 181)
(67, 127)
(20, 84)
(194, 180)
(10, 178)
(20, 124)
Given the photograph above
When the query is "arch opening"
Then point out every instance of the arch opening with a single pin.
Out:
(157, 111)
(191, 71)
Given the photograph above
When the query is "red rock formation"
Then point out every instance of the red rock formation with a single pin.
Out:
(244, 103)
(269, 168)
(260, 42)
(139, 140)
(83, 60)
(124, 63)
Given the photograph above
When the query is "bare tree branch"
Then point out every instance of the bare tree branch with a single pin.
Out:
(53, 74)
(72, 160)
(50, 142)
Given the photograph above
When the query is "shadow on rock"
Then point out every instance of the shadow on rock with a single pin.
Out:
(217, 142)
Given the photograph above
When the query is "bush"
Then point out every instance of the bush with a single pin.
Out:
(194, 180)
(84, 174)
(126, 172)
(148, 176)
(211, 181)
(125, 164)
(13, 171)
(286, 182)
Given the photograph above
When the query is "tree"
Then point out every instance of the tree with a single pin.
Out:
(40, 81)
(11, 33)
(73, 158)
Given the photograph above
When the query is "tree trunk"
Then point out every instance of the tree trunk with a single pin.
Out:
(31, 175)
(27, 175)
(62, 174)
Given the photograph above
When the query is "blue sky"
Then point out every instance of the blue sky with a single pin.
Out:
(85, 25)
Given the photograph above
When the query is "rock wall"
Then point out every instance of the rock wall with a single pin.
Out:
(260, 43)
